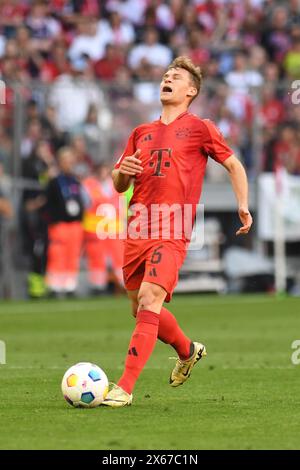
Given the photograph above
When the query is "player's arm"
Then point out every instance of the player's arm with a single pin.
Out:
(129, 167)
(239, 183)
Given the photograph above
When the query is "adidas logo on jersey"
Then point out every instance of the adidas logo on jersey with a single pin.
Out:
(148, 137)
(153, 272)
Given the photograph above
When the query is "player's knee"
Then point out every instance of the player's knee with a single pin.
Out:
(147, 298)
(145, 302)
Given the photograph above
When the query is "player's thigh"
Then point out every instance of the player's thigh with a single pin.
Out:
(162, 267)
(151, 297)
(133, 297)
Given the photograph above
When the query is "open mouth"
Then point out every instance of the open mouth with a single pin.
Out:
(167, 89)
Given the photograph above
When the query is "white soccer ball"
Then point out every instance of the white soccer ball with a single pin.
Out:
(84, 385)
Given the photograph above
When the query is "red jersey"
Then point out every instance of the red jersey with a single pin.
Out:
(174, 158)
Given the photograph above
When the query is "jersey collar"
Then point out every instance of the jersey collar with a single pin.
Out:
(176, 119)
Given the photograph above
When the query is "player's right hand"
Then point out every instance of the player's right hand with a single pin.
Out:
(131, 165)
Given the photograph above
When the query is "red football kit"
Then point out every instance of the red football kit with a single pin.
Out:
(166, 194)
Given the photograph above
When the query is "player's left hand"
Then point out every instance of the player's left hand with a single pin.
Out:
(246, 220)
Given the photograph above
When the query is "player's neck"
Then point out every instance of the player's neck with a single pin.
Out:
(171, 112)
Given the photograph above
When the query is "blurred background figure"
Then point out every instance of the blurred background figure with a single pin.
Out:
(150, 51)
(103, 223)
(73, 92)
(82, 161)
(39, 168)
(64, 206)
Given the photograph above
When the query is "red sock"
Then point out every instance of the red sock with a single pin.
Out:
(170, 333)
(141, 346)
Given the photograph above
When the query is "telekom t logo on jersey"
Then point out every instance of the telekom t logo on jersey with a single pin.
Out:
(160, 158)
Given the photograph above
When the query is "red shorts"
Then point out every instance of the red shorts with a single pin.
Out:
(156, 261)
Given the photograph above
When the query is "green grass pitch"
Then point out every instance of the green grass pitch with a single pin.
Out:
(244, 395)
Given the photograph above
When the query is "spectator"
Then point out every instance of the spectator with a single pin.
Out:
(56, 64)
(32, 136)
(294, 12)
(271, 72)
(287, 150)
(121, 90)
(292, 59)
(93, 135)
(91, 39)
(82, 161)
(276, 38)
(51, 132)
(241, 79)
(272, 111)
(198, 43)
(6, 146)
(107, 67)
(29, 58)
(150, 52)
(131, 10)
(72, 94)
(43, 27)
(12, 14)
(257, 60)
(119, 32)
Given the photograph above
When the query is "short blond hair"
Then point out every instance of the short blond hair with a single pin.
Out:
(184, 62)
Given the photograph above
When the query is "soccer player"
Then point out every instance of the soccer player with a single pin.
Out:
(166, 160)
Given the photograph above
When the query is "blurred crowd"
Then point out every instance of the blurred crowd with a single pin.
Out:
(100, 63)
(83, 73)
(68, 217)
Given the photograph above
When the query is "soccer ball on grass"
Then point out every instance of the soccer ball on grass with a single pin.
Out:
(84, 385)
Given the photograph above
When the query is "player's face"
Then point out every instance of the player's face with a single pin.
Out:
(176, 87)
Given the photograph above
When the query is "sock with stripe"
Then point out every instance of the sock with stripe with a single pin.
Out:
(170, 333)
(140, 348)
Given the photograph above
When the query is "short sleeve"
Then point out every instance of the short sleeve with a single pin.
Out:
(214, 144)
(129, 149)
